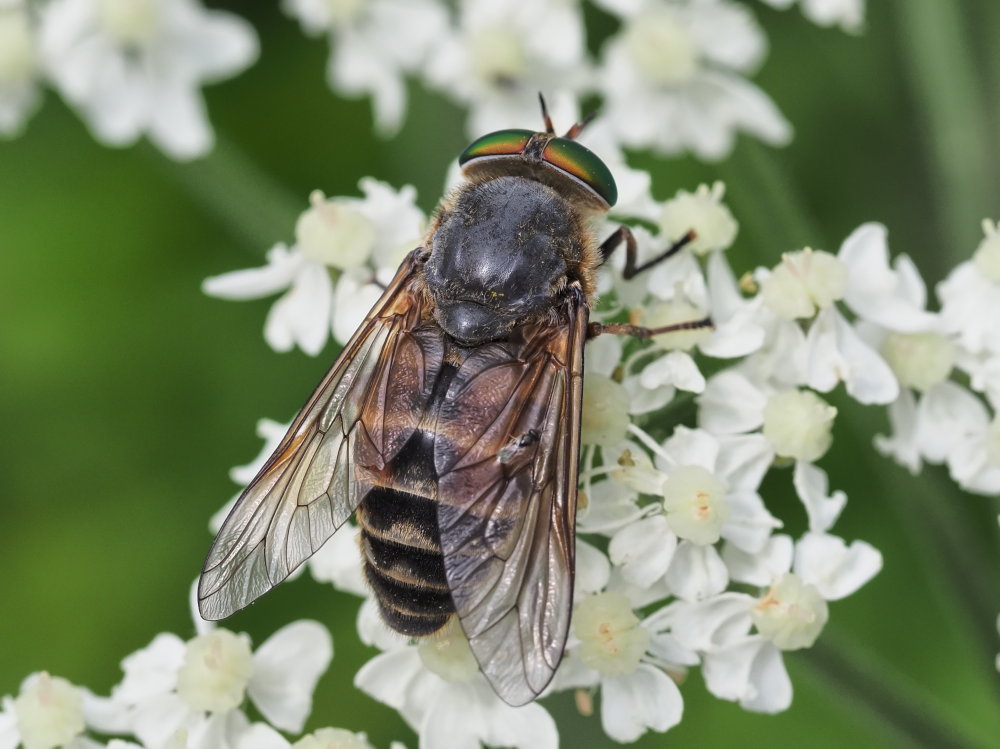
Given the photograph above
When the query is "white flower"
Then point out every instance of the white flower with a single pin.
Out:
(703, 212)
(18, 66)
(732, 403)
(438, 689)
(791, 614)
(893, 298)
(333, 738)
(974, 457)
(848, 14)
(805, 281)
(836, 353)
(503, 53)
(811, 484)
(373, 45)
(197, 687)
(47, 713)
(338, 562)
(615, 650)
(263, 736)
(672, 78)
(604, 416)
(970, 299)
(136, 66)
(695, 504)
(833, 568)
(798, 424)
(747, 667)
(707, 487)
(987, 255)
(362, 240)
(303, 315)
(919, 360)
(609, 506)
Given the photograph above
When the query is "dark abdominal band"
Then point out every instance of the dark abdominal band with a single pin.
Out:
(400, 541)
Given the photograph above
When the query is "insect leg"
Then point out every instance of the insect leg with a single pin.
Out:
(624, 234)
(595, 329)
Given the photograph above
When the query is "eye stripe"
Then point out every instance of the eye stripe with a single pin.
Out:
(500, 143)
(563, 154)
(579, 161)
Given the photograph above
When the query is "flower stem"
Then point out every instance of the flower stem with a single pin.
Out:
(940, 59)
(867, 685)
(229, 186)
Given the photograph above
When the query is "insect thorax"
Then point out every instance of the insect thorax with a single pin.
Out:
(502, 252)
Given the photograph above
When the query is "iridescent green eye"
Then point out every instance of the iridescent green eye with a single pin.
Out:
(579, 161)
(500, 143)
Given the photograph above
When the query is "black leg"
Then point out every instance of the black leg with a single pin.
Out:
(595, 329)
(624, 234)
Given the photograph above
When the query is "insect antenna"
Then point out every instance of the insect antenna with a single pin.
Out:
(573, 131)
(545, 115)
(578, 127)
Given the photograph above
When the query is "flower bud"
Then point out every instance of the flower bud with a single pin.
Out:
(805, 281)
(217, 668)
(798, 424)
(919, 360)
(333, 233)
(49, 712)
(695, 503)
(611, 637)
(791, 614)
(705, 213)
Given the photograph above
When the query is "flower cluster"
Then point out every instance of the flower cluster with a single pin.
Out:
(948, 364)
(680, 65)
(183, 695)
(345, 250)
(129, 67)
(673, 77)
(680, 564)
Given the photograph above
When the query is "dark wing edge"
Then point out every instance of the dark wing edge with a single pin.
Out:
(508, 527)
(308, 488)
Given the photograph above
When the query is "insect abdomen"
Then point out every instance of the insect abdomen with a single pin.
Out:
(403, 562)
(401, 544)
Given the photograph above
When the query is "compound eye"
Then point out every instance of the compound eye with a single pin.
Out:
(579, 161)
(500, 143)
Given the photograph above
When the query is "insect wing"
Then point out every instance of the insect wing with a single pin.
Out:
(310, 485)
(507, 504)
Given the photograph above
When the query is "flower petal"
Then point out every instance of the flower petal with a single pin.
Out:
(643, 550)
(811, 484)
(836, 569)
(645, 699)
(286, 668)
(696, 572)
(253, 283)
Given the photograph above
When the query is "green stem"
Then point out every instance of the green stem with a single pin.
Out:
(939, 58)
(232, 188)
(868, 686)
(940, 525)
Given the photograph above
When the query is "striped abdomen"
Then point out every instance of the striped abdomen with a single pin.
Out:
(403, 562)
(400, 541)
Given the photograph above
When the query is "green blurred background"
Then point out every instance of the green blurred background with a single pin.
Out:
(126, 394)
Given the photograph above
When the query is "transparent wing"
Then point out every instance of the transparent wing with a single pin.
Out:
(507, 505)
(313, 482)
